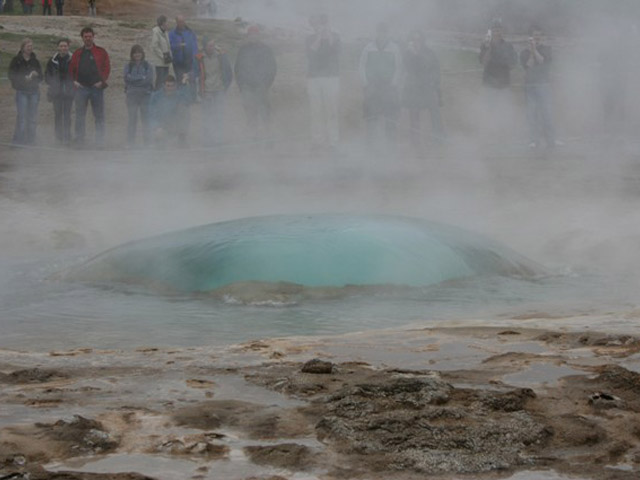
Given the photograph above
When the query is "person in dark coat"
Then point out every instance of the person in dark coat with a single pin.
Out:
(184, 47)
(421, 88)
(25, 74)
(61, 91)
(498, 57)
(381, 72)
(255, 71)
(46, 7)
(138, 85)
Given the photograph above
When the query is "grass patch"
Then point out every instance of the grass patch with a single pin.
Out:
(38, 39)
(136, 25)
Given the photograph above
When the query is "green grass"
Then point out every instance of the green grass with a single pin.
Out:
(136, 25)
(39, 40)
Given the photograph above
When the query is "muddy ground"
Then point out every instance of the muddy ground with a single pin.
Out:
(525, 400)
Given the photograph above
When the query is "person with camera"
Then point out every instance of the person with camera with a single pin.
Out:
(184, 47)
(498, 58)
(160, 51)
(536, 61)
(25, 74)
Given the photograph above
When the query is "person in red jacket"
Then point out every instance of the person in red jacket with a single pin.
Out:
(46, 7)
(89, 69)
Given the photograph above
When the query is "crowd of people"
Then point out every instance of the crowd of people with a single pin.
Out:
(28, 6)
(180, 71)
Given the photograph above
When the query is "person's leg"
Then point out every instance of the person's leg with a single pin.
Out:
(161, 74)
(332, 102)
(144, 118)
(67, 103)
(249, 104)
(132, 110)
(32, 117)
(546, 115)
(414, 127)
(20, 132)
(436, 123)
(532, 115)
(314, 91)
(82, 100)
(97, 105)
(58, 108)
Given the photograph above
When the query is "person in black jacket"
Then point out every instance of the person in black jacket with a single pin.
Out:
(421, 89)
(255, 71)
(61, 91)
(25, 75)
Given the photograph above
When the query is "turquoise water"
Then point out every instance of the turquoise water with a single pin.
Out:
(308, 250)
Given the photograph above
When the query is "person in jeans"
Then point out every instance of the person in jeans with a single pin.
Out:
(160, 51)
(214, 73)
(138, 85)
(61, 91)
(90, 70)
(169, 113)
(46, 7)
(536, 61)
(59, 7)
(323, 83)
(25, 75)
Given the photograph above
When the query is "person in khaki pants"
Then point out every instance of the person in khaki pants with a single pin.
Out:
(160, 50)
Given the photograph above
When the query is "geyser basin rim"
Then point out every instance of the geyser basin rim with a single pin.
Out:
(308, 250)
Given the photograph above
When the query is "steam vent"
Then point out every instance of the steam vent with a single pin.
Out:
(306, 250)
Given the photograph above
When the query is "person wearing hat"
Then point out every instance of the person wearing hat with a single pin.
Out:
(255, 70)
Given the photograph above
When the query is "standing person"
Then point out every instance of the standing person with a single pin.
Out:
(498, 57)
(61, 91)
(380, 73)
(536, 61)
(59, 7)
(27, 7)
(138, 85)
(214, 75)
(46, 7)
(90, 70)
(421, 88)
(184, 47)
(92, 8)
(323, 84)
(169, 112)
(25, 75)
(160, 51)
(255, 71)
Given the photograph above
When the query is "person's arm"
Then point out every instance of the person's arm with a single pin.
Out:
(156, 47)
(227, 73)
(39, 76)
(49, 72)
(485, 53)
(398, 73)
(272, 67)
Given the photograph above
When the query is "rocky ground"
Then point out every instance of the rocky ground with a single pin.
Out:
(479, 403)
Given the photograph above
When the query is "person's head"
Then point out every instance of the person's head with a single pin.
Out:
(180, 22)
(253, 33)
(63, 46)
(210, 46)
(137, 53)
(536, 33)
(497, 30)
(416, 38)
(162, 22)
(170, 85)
(26, 47)
(87, 35)
(382, 33)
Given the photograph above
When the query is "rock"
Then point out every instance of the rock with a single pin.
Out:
(286, 455)
(317, 366)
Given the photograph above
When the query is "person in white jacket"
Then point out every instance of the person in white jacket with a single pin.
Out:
(381, 75)
(160, 49)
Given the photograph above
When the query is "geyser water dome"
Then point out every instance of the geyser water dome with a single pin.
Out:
(307, 250)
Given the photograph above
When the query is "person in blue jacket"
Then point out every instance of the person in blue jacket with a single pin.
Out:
(138, 85)
(169, 113)
(184, 47)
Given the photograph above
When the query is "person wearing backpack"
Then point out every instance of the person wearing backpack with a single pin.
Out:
(138, 85)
